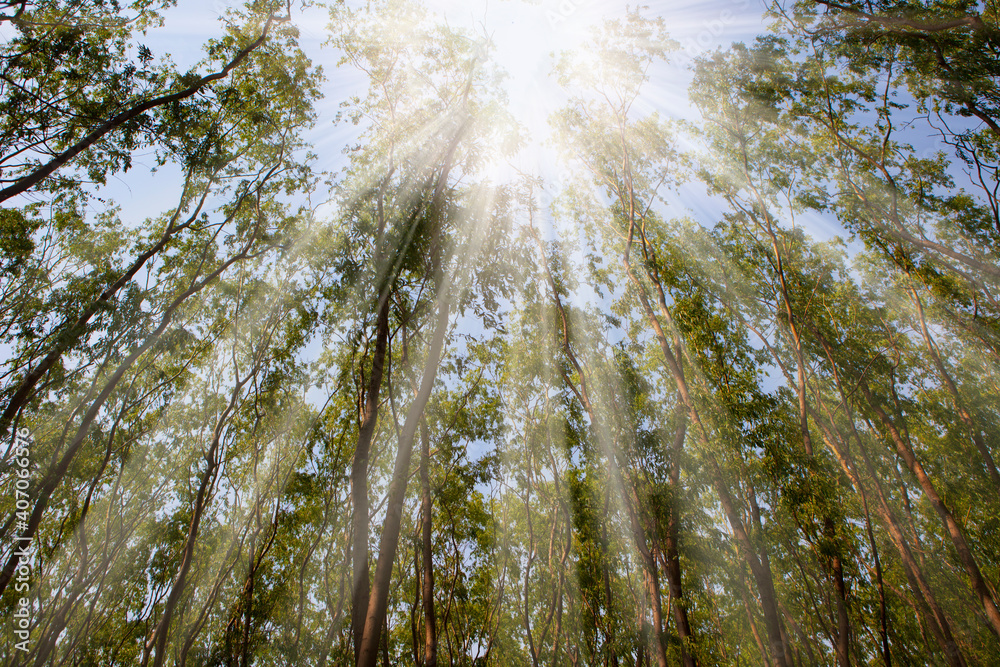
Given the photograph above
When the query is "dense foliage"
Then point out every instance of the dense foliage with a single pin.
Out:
(414, 412)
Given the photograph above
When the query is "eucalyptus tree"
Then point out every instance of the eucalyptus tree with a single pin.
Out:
(249, 456)
(567, 543)
(78, 106)
(772, 281)
(430, 114)
(934, 241)
(543, 616)
(452, 610)
(224, 423)
(631, 158)
(942, 239)
(822, 123)
(111, 324)
(77, 299)
(251, 225)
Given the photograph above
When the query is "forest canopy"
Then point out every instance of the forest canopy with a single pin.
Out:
(334, 341)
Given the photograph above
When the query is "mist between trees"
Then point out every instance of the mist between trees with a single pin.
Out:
(418, 410)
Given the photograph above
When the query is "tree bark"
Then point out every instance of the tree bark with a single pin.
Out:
(389, 542)
(965, 554)
(671, 550)
(426, 507)
(359, 479)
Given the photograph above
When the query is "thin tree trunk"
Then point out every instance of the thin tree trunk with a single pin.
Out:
(673, 561)
(965, 555)
(760, 570)
(843, 621)
(882, 614)
(963, 413)
(158, 638)
(389, 542)
(939, 625)
(629, 496)
(607, 627)
(415, 606)
(426, 507)
(360, 586)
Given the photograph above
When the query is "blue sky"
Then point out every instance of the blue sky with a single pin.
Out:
(526, 35)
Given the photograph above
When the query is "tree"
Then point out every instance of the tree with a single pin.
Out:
(439, 419)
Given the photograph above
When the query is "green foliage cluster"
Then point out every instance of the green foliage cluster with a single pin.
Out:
(426, 424)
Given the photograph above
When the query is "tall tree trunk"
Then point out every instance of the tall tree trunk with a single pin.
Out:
(760, 569)
(882, 613)
(378, 600)
(389, 542)
(426, 507)
(949, 382)
(843, 621)
(606, 625)
(359, 478)
(673, 561)
(965, 555)
(415, 606)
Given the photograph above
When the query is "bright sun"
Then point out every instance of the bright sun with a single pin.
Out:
(527, 39)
